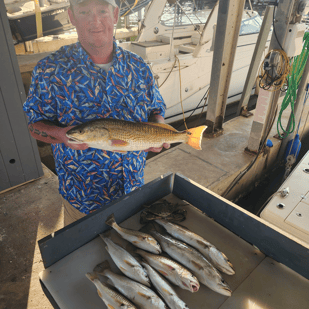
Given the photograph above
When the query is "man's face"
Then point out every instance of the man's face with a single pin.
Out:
(94, 21)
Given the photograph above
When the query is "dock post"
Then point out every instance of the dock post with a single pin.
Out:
(267, 102)
(227, 33)
(256, 59)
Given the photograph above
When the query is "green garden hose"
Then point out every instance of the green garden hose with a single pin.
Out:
(294, 79)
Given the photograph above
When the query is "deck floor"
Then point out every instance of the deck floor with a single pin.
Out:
(33, 211)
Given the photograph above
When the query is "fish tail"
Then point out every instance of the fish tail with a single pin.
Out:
(195, 137)
(101, 268)
(105, 236)
(110, 220)
(92, 276)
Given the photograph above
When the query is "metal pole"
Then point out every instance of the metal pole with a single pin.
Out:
(38, 19)
(227, 32)
(268, 101)
(256, 59)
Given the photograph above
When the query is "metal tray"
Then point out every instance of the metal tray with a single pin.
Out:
(271, 268)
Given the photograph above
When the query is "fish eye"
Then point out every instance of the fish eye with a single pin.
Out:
(222, 281)
(80, 131)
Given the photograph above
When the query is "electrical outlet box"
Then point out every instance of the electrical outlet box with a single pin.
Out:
(294, 39)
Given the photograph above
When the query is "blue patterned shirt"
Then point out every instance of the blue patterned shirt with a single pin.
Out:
(69, 89)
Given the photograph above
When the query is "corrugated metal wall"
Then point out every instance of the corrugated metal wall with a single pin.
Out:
(19, 155)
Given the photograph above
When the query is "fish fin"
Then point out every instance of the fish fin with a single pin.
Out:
(162, 125)
(109, 306)
(92, 276)
(122, 269)
(195, 137)
(144, 295)
(129, 263)
(110, 220)
(118, 142)
(100, 268)
(99, 293)
(169, 266)
(205, 245)
(163, 272)
(199, 266)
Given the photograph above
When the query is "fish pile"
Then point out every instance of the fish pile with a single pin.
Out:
(147, 281)
(122, 136)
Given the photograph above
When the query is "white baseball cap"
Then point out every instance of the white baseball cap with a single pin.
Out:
(112, 2)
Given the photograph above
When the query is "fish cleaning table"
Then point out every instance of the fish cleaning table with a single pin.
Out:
(272, 268)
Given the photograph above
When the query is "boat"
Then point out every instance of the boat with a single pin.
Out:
(177, 43)
(55, 19)
(21, 16)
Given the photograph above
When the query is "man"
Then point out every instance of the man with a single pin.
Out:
(92, 79)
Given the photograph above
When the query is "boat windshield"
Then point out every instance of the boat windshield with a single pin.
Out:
(186, 14)
(251, 23)
(190, 13)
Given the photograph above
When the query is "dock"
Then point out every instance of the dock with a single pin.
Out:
(32, 211)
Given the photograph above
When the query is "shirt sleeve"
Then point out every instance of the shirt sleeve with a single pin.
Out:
(40, 104)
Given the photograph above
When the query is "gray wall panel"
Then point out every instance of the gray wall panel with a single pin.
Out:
(8, 147)
(15, 140)
(4, 178)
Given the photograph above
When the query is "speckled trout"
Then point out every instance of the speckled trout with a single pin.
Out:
(111, 299)
(126, 262)
(171, 270)
(141, 295)
(215, 257)
(120, 135)
(165, 289)
(137, 238)
(195, 261)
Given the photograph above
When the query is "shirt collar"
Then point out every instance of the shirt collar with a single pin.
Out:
(88, 61)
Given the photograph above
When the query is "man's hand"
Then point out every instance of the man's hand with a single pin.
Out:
(68, 143)
(157, 119)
